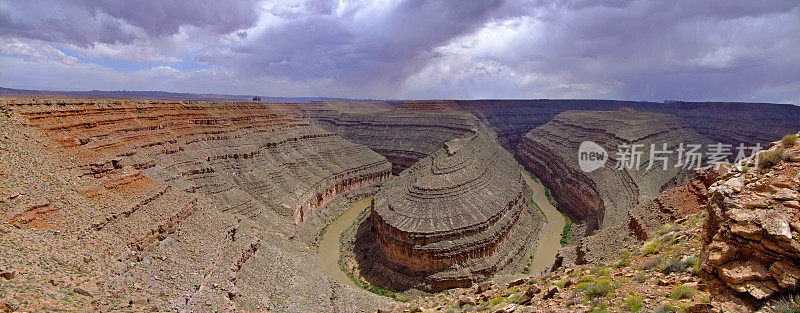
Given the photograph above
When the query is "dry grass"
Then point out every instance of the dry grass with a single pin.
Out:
(770, 158)
(789, 140)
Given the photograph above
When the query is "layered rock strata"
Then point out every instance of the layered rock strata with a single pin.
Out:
(402, 136)
(272, 160)
(456, 217)
(512, 119)
(604, 196)
(751, 245)
(186, 206)
(675, 203)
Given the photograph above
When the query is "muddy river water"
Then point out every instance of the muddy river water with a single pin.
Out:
(543, 257)
(329, 246)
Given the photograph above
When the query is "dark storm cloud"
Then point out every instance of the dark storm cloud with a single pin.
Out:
(670, 49)
(87, 22)
(383, 48)
(742, 50)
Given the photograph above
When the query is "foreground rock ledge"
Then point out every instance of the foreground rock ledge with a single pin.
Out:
(751, 247)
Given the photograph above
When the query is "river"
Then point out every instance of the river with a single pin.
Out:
(329, 246)
(543, 257)
(550, 237)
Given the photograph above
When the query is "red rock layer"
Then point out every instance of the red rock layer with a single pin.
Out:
(247, 155)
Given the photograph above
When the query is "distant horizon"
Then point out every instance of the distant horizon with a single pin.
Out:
(246, 97)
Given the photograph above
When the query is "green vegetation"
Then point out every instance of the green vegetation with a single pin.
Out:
(587, 279)
(680, 265)
(624, 259)
(682, 292)
(539, 209)
(770, 158)
(549, 195)
(374, 289)
(600, 289)
(789, 140)
(789, 304)
(536, 179)
(566, 234)
(640, 277)
(633, 303)
(745, 169)
(601, 271)
(651, 247)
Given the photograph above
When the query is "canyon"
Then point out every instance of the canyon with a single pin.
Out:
(220, 206)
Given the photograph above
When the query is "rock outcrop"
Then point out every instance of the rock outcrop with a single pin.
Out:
(674, 204)
(751, 241)
(456, 217)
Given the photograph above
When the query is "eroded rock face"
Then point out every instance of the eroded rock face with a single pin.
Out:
(189, 206)
(512, 119)
(675, 203)
(455, 217)
(752, 236)
(402, 136)
(602, 198)
(278, 162)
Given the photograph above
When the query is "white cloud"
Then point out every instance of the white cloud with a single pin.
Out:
(34, 51)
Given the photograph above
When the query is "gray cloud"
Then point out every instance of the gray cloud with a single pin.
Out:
(630, 49)
(87, 22)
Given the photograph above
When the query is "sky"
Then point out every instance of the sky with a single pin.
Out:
(715, 50)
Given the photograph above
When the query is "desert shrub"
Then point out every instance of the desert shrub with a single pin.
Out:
(679, 265)
(633, 303)
(582, 286)
(789, 140)
(561, 283)
(651, 247)
(788, 304)
(682, 292)
(587, 279)
(601, 288)
(601, 270)
(598, 309)
(694, 263)
(668, 238)
(770, 158)
(620, 264)
(640, 277)
(667, 228)
(653, 263)
(745, 169)
(624, 256)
